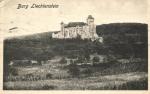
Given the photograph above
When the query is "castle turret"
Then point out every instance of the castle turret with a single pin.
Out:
(62, 26)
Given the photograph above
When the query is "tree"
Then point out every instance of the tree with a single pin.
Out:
(81, 59)
(13, 71)
(87, 56)
(96, 59)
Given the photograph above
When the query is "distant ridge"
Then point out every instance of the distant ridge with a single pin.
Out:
(33, 36)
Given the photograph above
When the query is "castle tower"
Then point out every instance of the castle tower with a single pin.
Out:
(62, 28)
(91, 25)
(90, 20)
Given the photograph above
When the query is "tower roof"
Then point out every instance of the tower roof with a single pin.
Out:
(62, 22)
(90, 17)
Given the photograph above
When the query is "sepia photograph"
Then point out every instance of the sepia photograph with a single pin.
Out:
(75, 45)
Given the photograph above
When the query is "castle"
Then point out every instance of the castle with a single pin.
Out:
(78, 29)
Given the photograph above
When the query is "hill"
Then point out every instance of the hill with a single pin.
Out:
(124, 66)
(120, 39)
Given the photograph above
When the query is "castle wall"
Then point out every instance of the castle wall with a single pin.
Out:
(86, 31)
(72, 32)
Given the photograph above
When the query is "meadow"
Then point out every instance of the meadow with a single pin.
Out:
(126, 81)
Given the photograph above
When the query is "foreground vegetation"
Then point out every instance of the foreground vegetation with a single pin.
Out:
(127, 81)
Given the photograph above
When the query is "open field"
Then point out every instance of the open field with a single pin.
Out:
(119, 81)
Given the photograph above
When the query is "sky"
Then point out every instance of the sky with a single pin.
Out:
(38, 20)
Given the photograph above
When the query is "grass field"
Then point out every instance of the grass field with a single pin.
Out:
(107, 82)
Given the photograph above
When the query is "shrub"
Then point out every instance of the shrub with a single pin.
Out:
(74, 70)
(88, 71)
(13, 71)
(63, 61)
(81, 59)
(48, 87)
(49, 75)
(135, 85)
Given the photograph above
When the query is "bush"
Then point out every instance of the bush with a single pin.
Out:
(81, 59)
(49, 76)
(13, 71)
(88, 71)
(48, 87)
(135, 85)
(63, 61)
(74, 70)
(29, 75)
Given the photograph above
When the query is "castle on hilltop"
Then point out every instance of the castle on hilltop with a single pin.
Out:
(78, 29)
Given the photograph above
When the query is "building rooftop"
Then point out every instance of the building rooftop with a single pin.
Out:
(74, 24)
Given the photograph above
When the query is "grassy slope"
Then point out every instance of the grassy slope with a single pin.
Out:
(125, 39)
(120, 39)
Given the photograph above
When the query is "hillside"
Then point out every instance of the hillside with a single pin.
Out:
(123, 33)
(124, 39)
